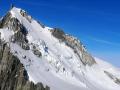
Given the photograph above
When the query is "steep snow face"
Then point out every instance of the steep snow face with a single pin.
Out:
(52, 62)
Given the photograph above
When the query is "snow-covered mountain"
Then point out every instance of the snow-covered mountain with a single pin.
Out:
(54, 58)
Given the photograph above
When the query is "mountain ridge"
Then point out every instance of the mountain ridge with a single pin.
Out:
(54, 58)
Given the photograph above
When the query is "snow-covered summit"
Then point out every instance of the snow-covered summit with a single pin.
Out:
(54, 58)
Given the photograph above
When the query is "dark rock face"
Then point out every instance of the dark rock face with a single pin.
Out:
(114, 78)
(20, 31)
(20, 36)
(13, 76)
(20, 39)
(5, 20)
(36, 51)
(58, 33)
(15, 25)
(77, 46)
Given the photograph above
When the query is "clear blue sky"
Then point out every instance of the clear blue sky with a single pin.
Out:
(95, 22)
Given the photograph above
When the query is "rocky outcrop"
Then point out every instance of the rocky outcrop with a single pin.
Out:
(58, 33)
(36, 51)
(24, 14)
(76, 45)
(5, 20)
(80, 50)
(113, 77)
(13, 75)
(20, 39)
(20, 32)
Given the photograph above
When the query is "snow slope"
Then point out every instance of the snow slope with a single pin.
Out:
(58, 67)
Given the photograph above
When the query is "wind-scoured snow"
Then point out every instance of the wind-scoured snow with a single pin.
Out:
(58, 67)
